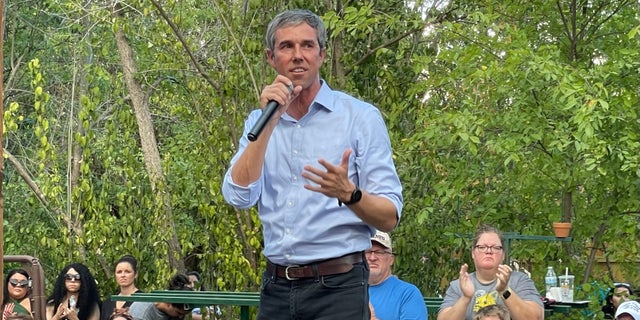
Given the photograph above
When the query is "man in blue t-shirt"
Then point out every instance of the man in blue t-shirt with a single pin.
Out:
(390, 297)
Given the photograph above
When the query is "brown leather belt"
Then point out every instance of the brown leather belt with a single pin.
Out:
(323, 268)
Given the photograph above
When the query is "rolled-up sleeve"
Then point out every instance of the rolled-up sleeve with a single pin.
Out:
(239, 196)
(374, 160)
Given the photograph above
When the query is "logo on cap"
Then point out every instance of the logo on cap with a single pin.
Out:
(382, 238)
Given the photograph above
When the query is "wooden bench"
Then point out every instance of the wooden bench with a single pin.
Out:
(245, 300)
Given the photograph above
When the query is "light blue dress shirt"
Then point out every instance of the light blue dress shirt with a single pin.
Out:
(301, 226)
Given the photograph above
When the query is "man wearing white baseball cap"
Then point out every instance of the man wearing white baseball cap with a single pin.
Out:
(628, 310)
(390, 297)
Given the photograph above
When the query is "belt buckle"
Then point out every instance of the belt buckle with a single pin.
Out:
(286, 272)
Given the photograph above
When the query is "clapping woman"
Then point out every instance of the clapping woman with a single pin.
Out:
(17, 287)
(75, 295)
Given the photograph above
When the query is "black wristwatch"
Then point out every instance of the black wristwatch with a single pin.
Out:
(356, 195)
(506, 294)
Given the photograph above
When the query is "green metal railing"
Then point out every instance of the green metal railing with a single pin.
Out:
(245, 300)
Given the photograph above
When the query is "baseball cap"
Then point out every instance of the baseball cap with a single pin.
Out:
(631, 308)
(383, 239)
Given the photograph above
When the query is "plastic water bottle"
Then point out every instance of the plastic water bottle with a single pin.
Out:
(72, 302)
(550, 279)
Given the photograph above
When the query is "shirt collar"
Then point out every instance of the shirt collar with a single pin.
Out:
(324, 97)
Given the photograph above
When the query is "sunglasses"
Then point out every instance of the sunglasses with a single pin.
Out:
(71, 277)
(621, 284)
(16, 283)
(182, 306)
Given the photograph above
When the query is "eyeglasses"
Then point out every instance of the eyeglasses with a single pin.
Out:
(487, 249)
(378, 253)
(71, 277)
(182, 306)
(16, 283)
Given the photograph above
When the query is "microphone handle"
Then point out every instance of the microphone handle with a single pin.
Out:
(267, 113)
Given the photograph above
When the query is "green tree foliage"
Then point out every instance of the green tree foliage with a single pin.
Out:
(526, 111)
(516, 114)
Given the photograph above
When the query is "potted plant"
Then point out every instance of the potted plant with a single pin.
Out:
(561, 229)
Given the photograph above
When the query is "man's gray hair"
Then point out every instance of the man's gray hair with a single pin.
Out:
(293, 18)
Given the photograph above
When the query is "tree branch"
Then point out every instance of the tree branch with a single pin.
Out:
(197, 65)
(384, 45)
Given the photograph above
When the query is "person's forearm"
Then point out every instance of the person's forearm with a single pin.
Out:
(95, 315)
(248, 168)
(456, 312)
(377, 211)
(50, 313)
(523, 310)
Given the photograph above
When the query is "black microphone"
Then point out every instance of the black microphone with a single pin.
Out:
(267, 113)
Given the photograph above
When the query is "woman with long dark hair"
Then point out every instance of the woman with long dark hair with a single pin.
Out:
(616, 295)
(17, 287)
(75, 295)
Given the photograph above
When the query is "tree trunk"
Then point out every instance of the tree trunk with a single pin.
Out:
(567, 204)
(140, 102)
(595, 242)
(337, 48)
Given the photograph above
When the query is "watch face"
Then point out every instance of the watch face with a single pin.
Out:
(356, 196)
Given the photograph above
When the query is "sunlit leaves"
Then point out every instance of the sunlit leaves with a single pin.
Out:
(544, 124)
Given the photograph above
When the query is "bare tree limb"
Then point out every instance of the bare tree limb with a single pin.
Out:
(384, 45)
(149, 145)
(196, 64)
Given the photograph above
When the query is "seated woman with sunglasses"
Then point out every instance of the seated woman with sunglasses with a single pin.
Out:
(164, 310)
(17, 287)
(75, 295)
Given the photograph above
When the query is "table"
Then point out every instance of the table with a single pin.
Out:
(565, 307)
